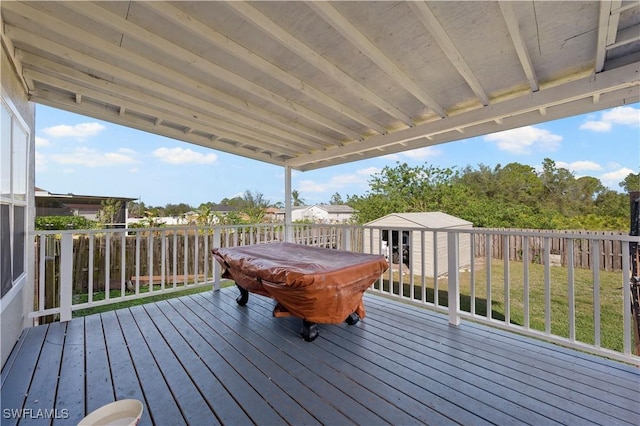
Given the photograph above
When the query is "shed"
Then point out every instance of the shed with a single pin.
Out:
(419, 230)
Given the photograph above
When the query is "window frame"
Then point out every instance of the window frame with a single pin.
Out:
(15, 141)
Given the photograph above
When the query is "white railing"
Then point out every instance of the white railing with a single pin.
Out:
(503, 278)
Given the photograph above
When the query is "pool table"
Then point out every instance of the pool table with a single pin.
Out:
(318, 285)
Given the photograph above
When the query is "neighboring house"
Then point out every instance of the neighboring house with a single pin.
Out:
(188, 218)
(87, 206)
(318, 213)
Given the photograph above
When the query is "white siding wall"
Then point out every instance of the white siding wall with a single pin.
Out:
(13, 306)
(432, 264)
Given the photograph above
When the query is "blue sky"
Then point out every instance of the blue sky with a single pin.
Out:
(84, 156)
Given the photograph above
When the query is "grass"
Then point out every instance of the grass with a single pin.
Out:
(97, 296)
(611, 305)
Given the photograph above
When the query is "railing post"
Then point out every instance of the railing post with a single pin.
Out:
(216, 265)
(66, 276)
(347, 239)
(454, 280)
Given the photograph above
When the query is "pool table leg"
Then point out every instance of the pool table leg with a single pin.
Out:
(352, 319)
(244, 296)
(309, 331)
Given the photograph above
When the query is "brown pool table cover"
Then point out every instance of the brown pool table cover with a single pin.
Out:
(316, 284)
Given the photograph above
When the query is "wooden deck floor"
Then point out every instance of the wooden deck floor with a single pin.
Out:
(203, 360)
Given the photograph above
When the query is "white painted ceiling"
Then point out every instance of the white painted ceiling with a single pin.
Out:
(314, 84)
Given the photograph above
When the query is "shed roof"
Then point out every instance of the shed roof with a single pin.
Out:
(431, 220)
(335, 208)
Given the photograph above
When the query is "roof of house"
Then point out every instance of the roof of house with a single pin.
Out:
(329, 208)
(83, 199)
(424, 219)
(335, 208)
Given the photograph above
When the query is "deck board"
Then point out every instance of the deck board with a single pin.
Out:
(158, 398)
(71, 391)
(45, 376)
(18, 380)
(125, 381)
(344, 392)
(202, 359)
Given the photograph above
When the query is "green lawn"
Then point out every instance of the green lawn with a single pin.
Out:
(611, 299)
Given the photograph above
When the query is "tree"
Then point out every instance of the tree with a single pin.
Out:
(518, 182)
(204, 216)
(557, 183)
(177, 210)
(254, 206)
(480, 181)
(136, 209)
(336, 199)
(109, 212)
(631, 182)
(402, 189)
(295, 198)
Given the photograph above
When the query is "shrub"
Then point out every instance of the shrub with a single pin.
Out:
(48, 223)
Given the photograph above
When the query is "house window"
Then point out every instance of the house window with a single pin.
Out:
(13, 198)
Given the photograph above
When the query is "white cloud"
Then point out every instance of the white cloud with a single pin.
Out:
(92, 158)
(42, 141)
(524, 140)
(623, 115)
(368, 171)
(79, 131)
(311, 186)
(41, 162)
(337, 182)
(579, 166)
(613, 178)
(415, 154)
(184, 156)
(596, 126)
(422, 153)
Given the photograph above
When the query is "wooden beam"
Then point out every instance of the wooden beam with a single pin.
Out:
(173, 83)
(603, 29)
(511, 20)
(355, 37)
(50, 99)
(252, 15)
(623, 79)
(210, 35)
(142, 104)
(626, 36)
(213, 70)
(159, 92)
(437, 31)
(10, 49)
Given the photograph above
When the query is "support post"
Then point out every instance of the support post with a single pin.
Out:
(216, 265)
(288, 227)
(66, 276)
(453, 243)
(634, 281)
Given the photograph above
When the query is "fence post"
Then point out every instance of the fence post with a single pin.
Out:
(216, 265)
(454, 279)
(66, 276)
